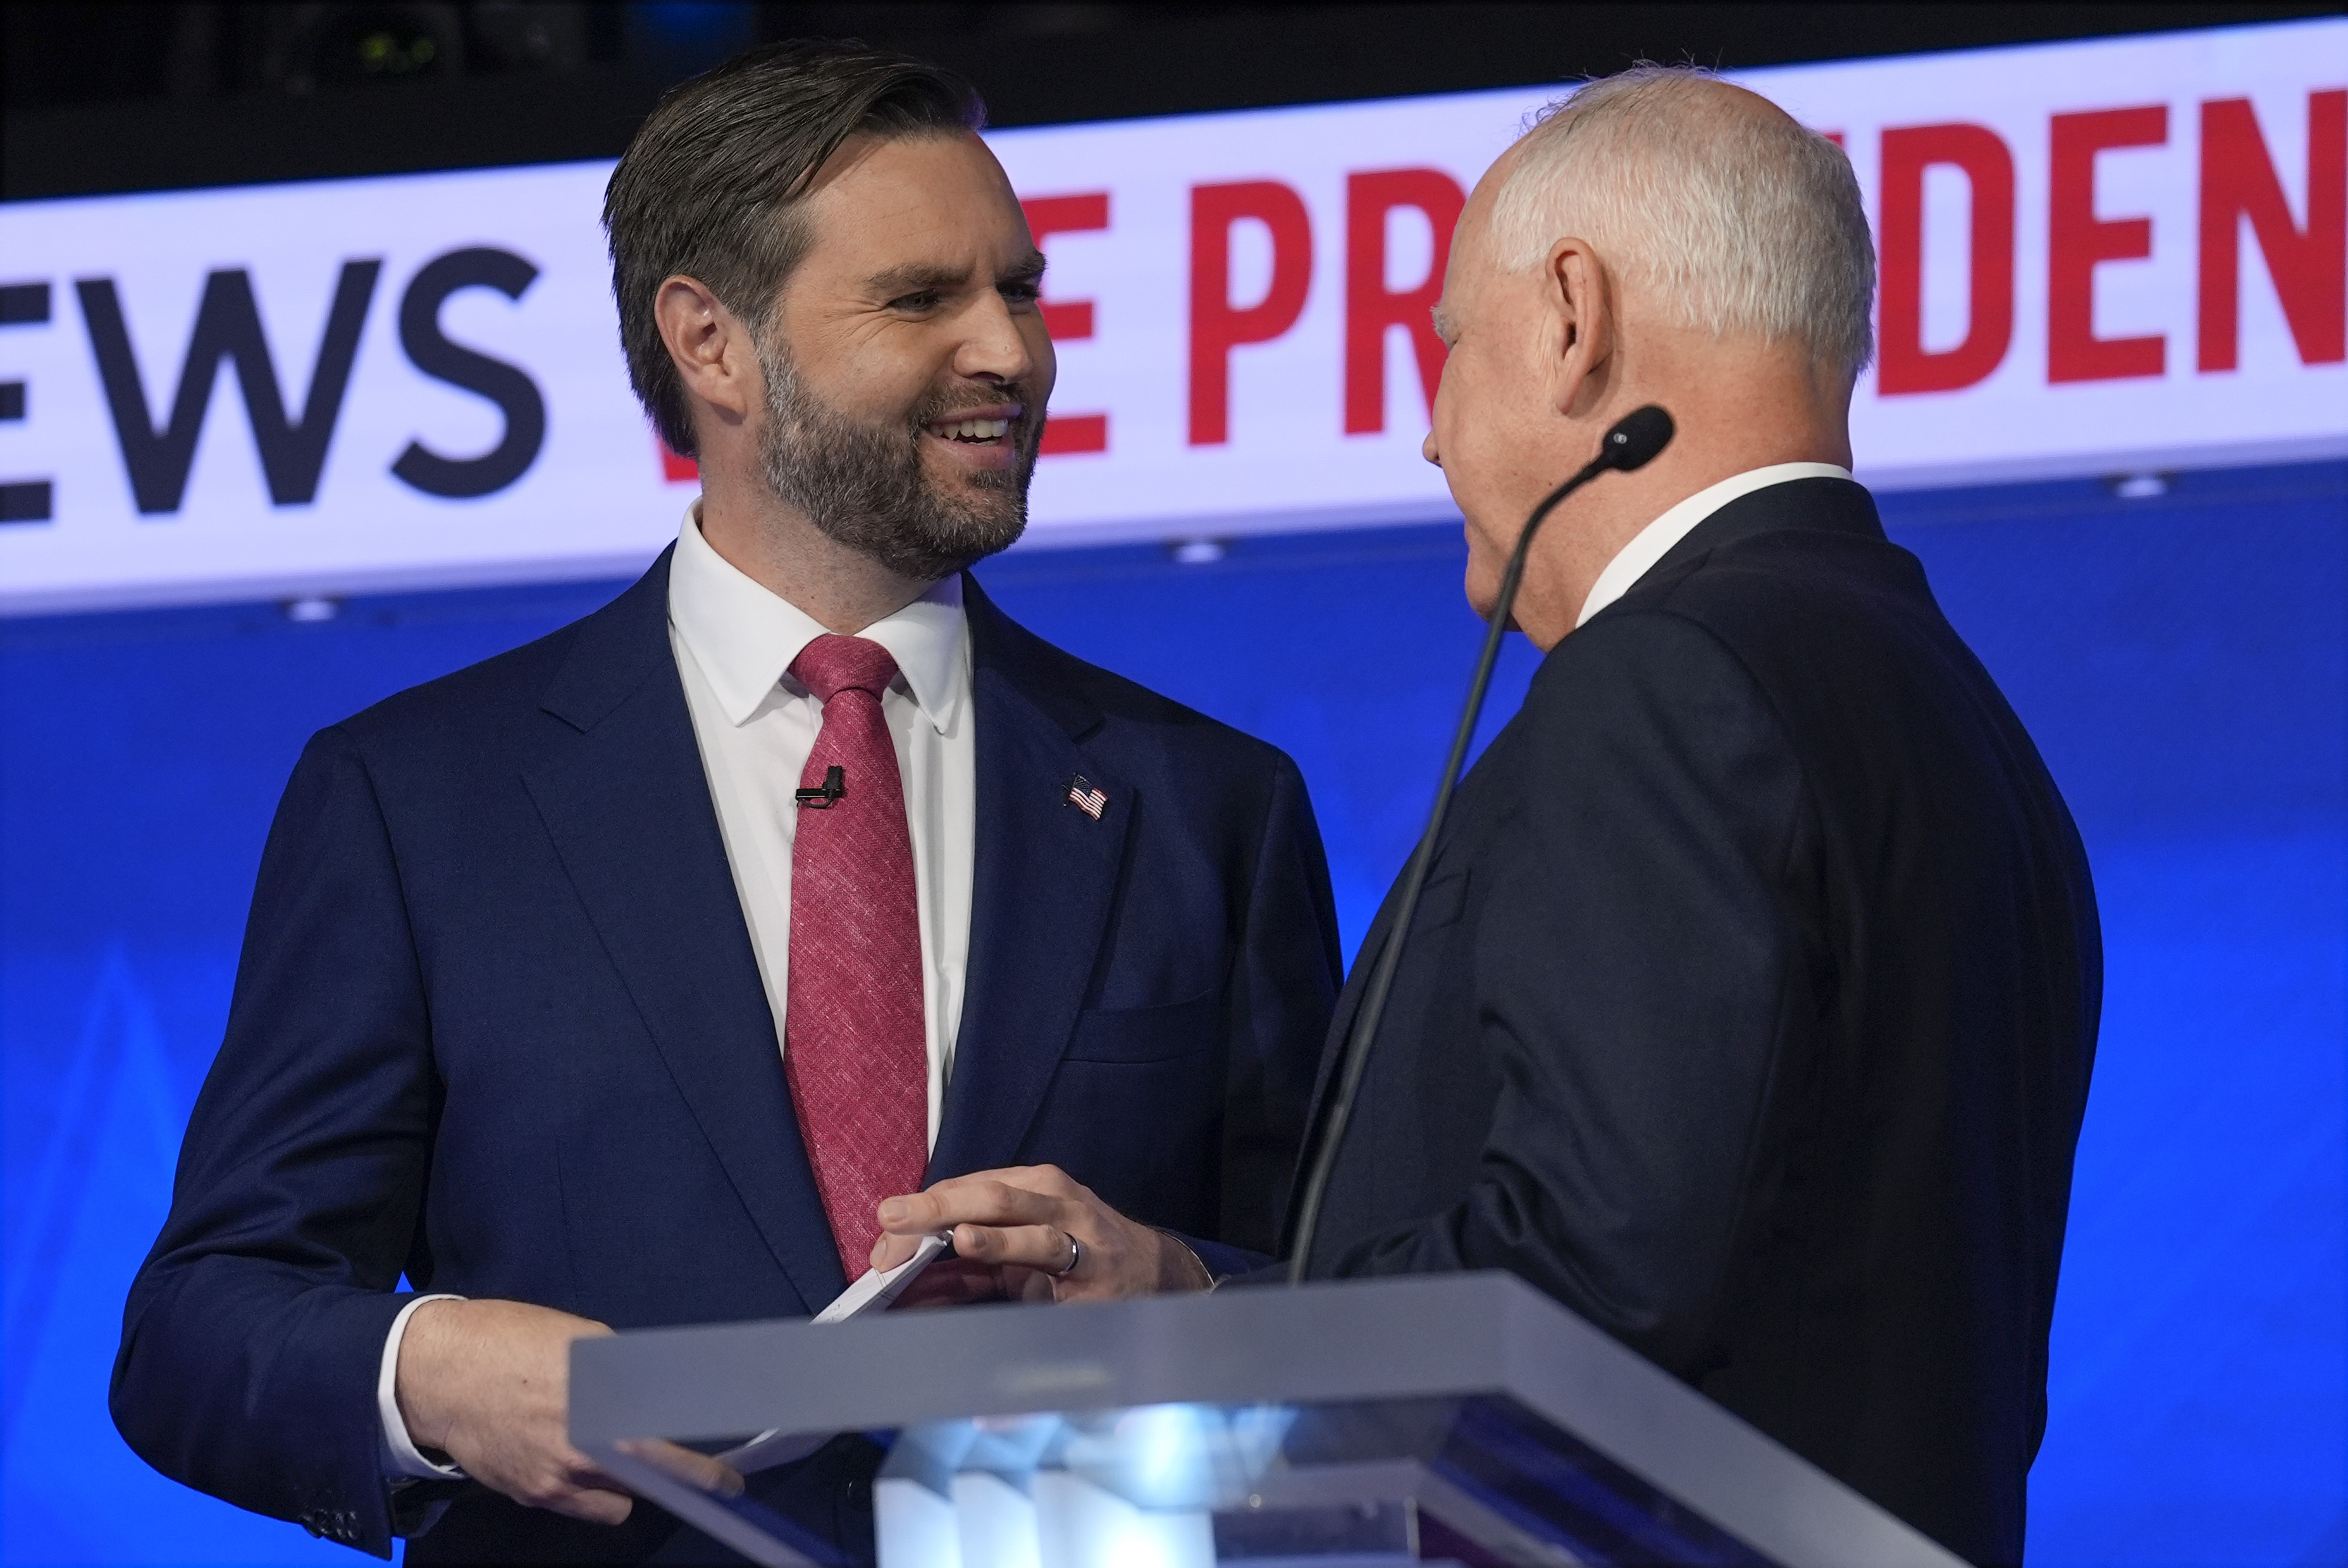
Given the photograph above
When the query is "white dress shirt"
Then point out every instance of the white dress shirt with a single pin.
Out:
(1654, 541)
(734, 642)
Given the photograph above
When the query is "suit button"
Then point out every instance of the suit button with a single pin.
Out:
(312, 1522)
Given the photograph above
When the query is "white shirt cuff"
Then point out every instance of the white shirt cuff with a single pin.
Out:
(401, 1457)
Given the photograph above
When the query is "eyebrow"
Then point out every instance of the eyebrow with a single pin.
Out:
(1445, 327)
(916, 276)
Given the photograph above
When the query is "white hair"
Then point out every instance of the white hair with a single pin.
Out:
(1744, 222)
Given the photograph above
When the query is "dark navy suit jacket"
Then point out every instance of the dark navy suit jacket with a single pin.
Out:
(1749, 1011)
(498, 1026)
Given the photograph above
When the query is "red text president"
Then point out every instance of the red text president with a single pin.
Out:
(616, 981)
(1750, 1005)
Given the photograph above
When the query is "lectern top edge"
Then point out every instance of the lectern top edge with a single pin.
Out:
(1348, 1343)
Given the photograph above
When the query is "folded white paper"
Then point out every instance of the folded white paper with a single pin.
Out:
(873, 1292)
(879, 1287)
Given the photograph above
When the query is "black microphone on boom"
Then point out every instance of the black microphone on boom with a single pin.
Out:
(1631, 443)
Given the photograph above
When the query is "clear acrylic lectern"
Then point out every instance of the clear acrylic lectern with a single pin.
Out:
(1457, 1418)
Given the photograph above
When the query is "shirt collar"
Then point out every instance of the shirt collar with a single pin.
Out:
(1654, 541)
(745, 636)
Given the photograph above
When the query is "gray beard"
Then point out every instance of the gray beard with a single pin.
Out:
(864, 484)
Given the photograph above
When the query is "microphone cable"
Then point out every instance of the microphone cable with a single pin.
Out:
(1632, 443)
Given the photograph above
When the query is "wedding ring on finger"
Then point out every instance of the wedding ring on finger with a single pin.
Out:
(1076, 1256)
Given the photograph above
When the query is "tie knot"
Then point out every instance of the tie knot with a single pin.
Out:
(834, 663)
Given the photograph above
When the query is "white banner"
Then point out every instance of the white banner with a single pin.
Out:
(2098, 257)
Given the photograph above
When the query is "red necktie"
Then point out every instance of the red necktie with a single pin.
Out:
(855, 1050)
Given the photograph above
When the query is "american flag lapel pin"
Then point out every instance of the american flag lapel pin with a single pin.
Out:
(1092, 802)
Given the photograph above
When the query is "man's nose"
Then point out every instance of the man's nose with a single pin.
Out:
(991, 346)
(1426, 448)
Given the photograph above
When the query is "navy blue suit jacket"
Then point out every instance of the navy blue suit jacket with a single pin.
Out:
(1749, 1011)
(498, 1026)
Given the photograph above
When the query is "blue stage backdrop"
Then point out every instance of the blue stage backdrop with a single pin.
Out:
(2180, 658)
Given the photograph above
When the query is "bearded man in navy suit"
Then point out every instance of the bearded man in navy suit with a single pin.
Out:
(612, 982)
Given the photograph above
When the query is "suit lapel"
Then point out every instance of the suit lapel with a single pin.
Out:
(1334, 1046)
(1042, 894)
(1349, 1000)
(628, 806)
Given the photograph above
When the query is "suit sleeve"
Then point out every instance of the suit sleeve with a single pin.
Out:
(253, 1332)
(1649, 982)
(1283, 985)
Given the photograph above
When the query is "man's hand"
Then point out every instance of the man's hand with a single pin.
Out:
(488, 1383)
(1019, 1223)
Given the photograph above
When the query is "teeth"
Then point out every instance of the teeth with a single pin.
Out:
(974, 429)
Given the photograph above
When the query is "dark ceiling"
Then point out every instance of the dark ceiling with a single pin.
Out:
(110, 97)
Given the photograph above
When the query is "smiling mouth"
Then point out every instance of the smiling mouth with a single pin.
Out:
(976, 430)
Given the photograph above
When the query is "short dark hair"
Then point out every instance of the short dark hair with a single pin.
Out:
(708, 186)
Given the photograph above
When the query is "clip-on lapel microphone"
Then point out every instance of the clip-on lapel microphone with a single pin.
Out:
(1633, 440)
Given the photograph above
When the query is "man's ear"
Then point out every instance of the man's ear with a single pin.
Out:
(1582, 337)
(710, 347)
